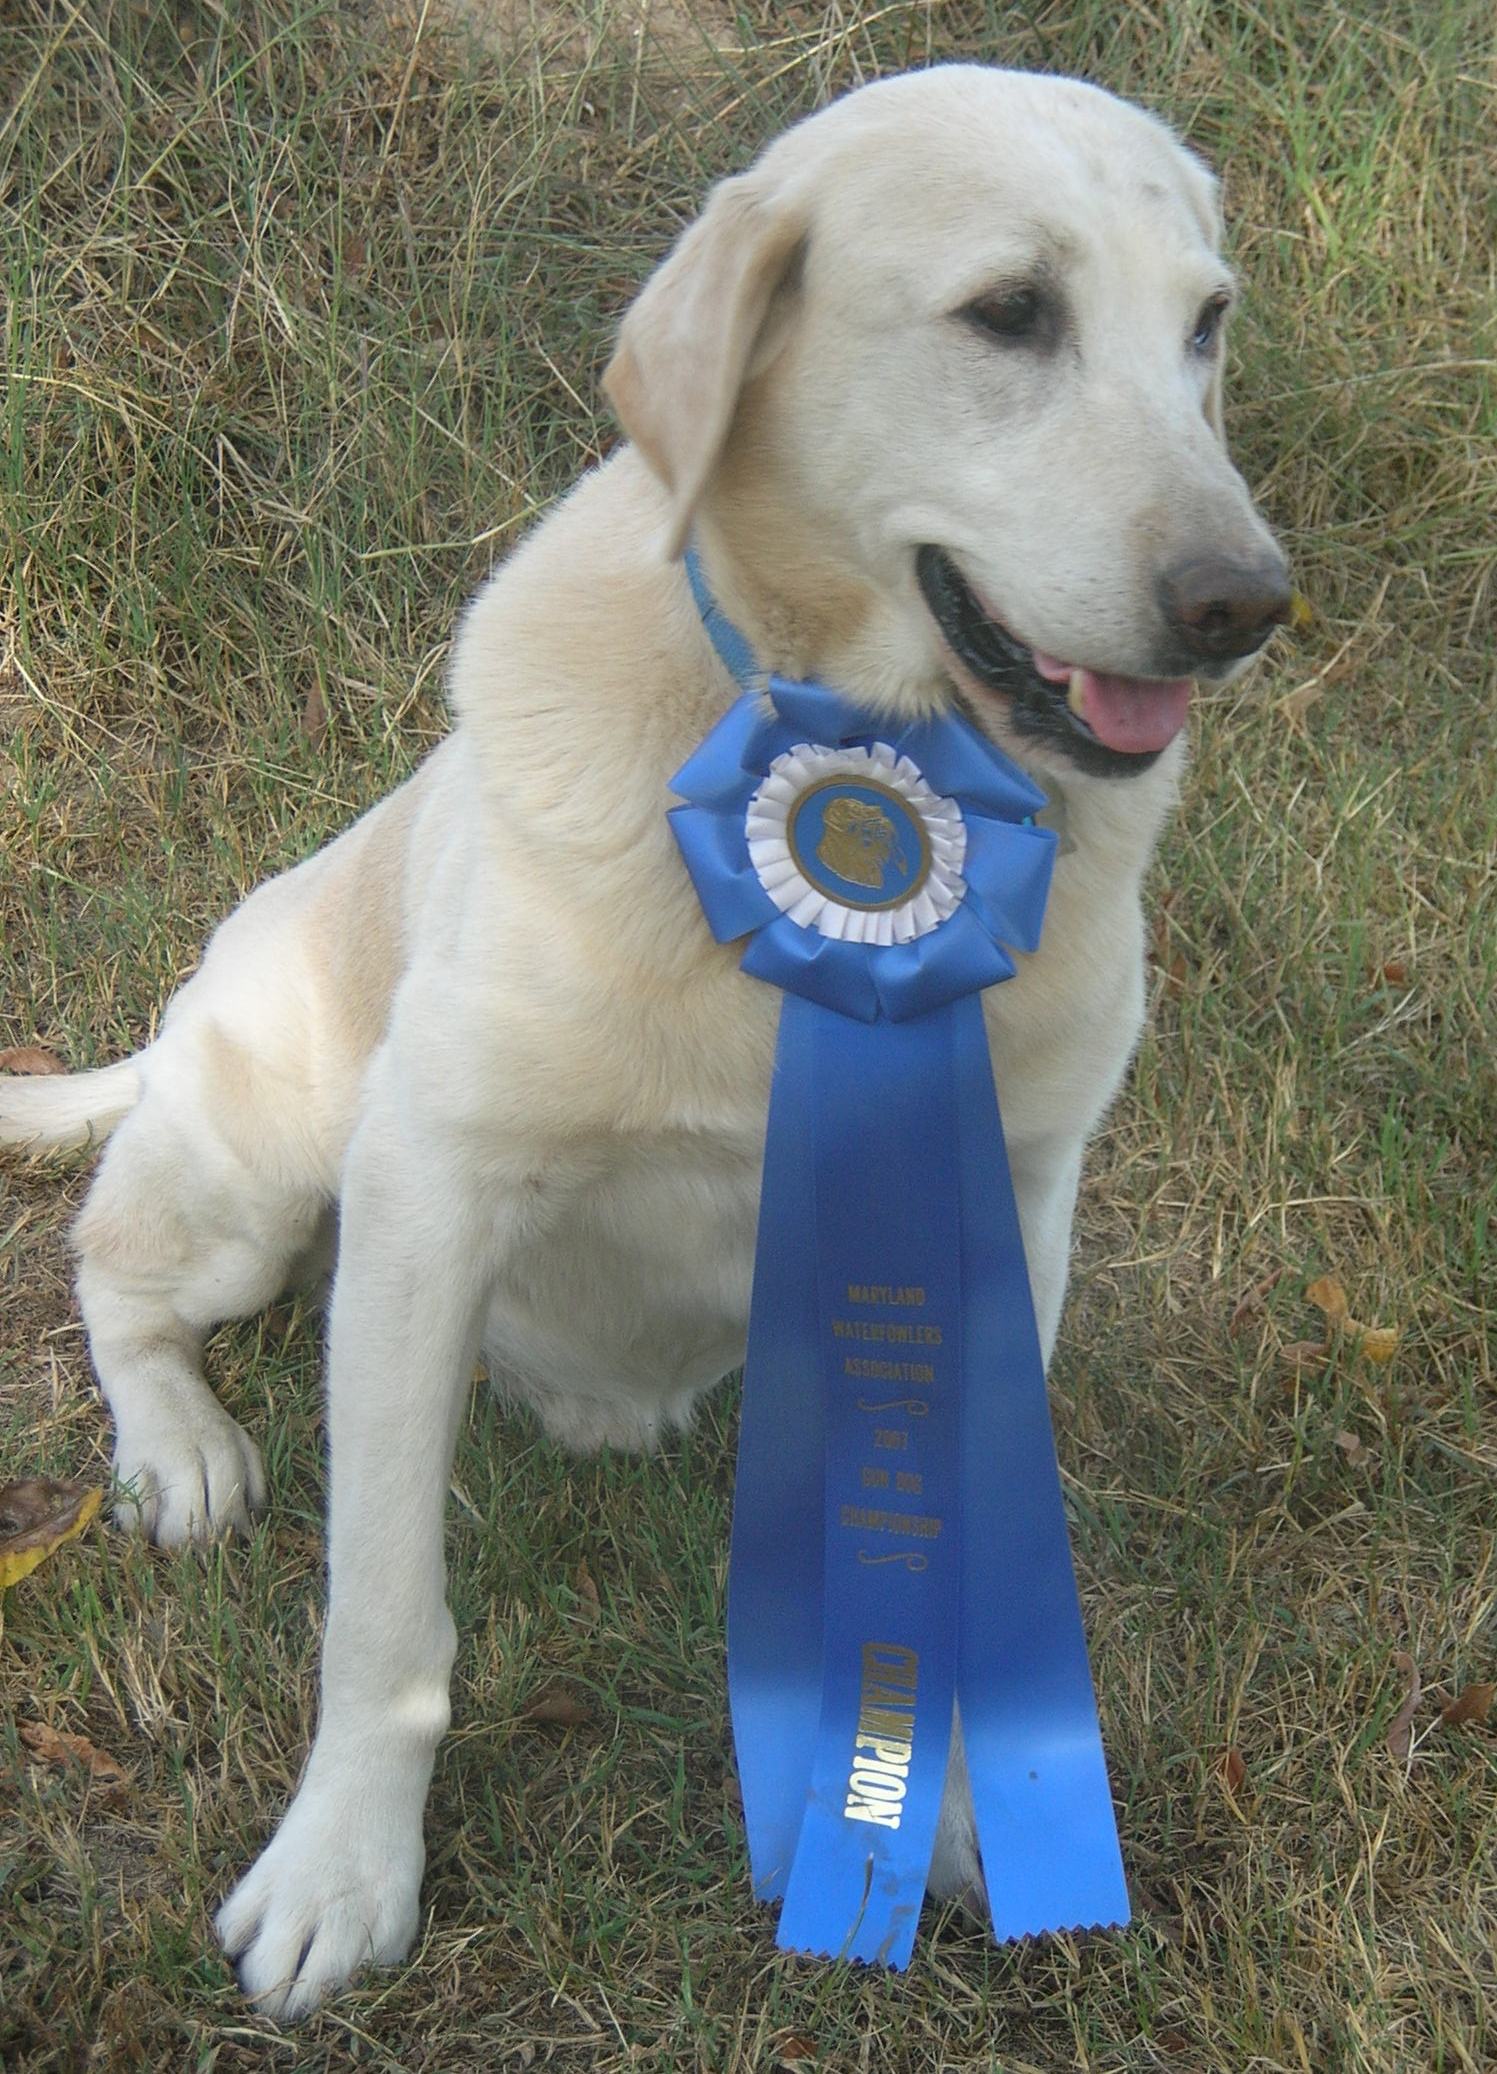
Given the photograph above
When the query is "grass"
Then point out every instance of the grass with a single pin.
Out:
(304, 310)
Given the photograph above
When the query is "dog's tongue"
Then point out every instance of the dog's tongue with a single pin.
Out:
(1133, 714)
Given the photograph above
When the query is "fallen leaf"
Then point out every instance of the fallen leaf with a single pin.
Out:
(795, 2046)
(1350, 1445)
(1401, 1727)
(558, 1707)
(30, 1058)
(1395, 972)
(1328, 1296)
(1472, 1703)
(1301, 612)
(57, 1746)
(314, 715)
(1252, 1303)
(36, 1516)
(1377, 1343)
(1300, 1353)
(1232, 1770)
(588, 1608)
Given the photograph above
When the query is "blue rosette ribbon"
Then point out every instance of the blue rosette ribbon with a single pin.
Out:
(899, 1550)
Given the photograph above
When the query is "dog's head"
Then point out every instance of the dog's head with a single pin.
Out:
(940, 377)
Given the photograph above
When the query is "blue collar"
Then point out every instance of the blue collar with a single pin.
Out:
(736, 653)
(732, 645)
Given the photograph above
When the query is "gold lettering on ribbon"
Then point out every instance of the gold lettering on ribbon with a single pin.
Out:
(921, 1525)
(878, 1777)
(888, 1371)
(894, 1297)
(890, 1332)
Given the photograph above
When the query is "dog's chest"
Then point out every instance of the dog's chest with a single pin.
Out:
(632, 1297)
(630, 1293)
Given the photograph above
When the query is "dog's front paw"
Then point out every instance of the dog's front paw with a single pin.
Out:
(335, 1890)
(956, 1866)
(192, 1480)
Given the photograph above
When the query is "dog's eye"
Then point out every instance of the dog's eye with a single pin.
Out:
(1208, 325)
(1019, 316)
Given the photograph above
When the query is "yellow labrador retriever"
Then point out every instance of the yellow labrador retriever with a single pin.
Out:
(935, 387)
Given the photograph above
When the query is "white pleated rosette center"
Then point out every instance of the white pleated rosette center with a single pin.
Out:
(940, 889)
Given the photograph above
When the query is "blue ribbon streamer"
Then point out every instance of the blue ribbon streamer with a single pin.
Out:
(801, 1545)
(899, 1541)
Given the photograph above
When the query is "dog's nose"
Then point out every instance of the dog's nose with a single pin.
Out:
(1219, 607)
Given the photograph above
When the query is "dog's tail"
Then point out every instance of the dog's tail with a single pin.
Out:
(47, 1112)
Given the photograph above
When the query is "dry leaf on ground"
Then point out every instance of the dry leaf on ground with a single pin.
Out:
(1232, 1770)
(557, 1706)
(1328, 1296)
(314, 715)
(37, 1515)
(1303, 1353)
(1401, 1727)
(1471, 1703)
(1376, 1342)
(30, 1058)
(59, 1747)
(589, 1609)
(1252, 1303)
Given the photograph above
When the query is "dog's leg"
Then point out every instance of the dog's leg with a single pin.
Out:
(339, 1885)
(1045, 1188)
(175, 1237)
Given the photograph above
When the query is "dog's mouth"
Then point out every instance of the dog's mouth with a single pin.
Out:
(1109, 725)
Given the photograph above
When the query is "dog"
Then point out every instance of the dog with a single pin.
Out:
(935, 389)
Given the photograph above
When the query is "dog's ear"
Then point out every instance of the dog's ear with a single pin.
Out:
(709, 316)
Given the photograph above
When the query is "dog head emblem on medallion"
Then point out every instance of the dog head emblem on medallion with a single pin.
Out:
(856, 839)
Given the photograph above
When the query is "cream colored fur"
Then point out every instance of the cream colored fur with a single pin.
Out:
(489, 1022)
